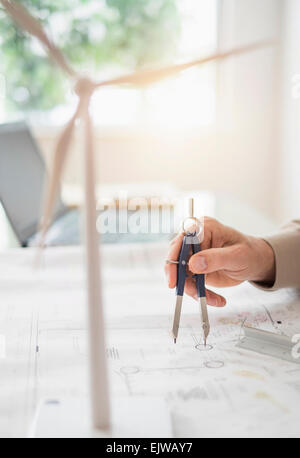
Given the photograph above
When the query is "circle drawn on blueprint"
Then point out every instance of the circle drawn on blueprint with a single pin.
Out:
(202, 347)
(214, 364)
(129, 370)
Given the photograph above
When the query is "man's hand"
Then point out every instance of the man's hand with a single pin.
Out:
(228, 258)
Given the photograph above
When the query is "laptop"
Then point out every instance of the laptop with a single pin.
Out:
(22, 176)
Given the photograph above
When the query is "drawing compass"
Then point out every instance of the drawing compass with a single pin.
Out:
(192, 228)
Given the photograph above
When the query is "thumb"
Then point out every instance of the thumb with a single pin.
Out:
(215, 259)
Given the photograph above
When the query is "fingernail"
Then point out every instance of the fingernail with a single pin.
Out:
(199, 264)
(222, 302)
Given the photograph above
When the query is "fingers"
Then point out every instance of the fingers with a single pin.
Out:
(217, 235)
(220, 280)
(175, 247)
(214, 259)
(211, 227)
(173, 255)
(212, 298)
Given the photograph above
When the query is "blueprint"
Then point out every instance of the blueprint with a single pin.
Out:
(44, 320)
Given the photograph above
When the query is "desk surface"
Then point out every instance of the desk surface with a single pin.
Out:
(42, 317)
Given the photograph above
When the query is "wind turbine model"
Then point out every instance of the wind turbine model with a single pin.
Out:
(126, 419)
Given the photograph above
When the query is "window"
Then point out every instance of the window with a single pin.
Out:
(137, 33)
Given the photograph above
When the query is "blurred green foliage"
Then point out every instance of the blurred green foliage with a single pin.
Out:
(94, 34)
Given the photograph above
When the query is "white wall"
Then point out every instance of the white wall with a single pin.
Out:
(289, 203)
(249, 102)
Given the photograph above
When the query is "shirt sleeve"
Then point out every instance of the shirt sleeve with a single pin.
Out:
(286, 247)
